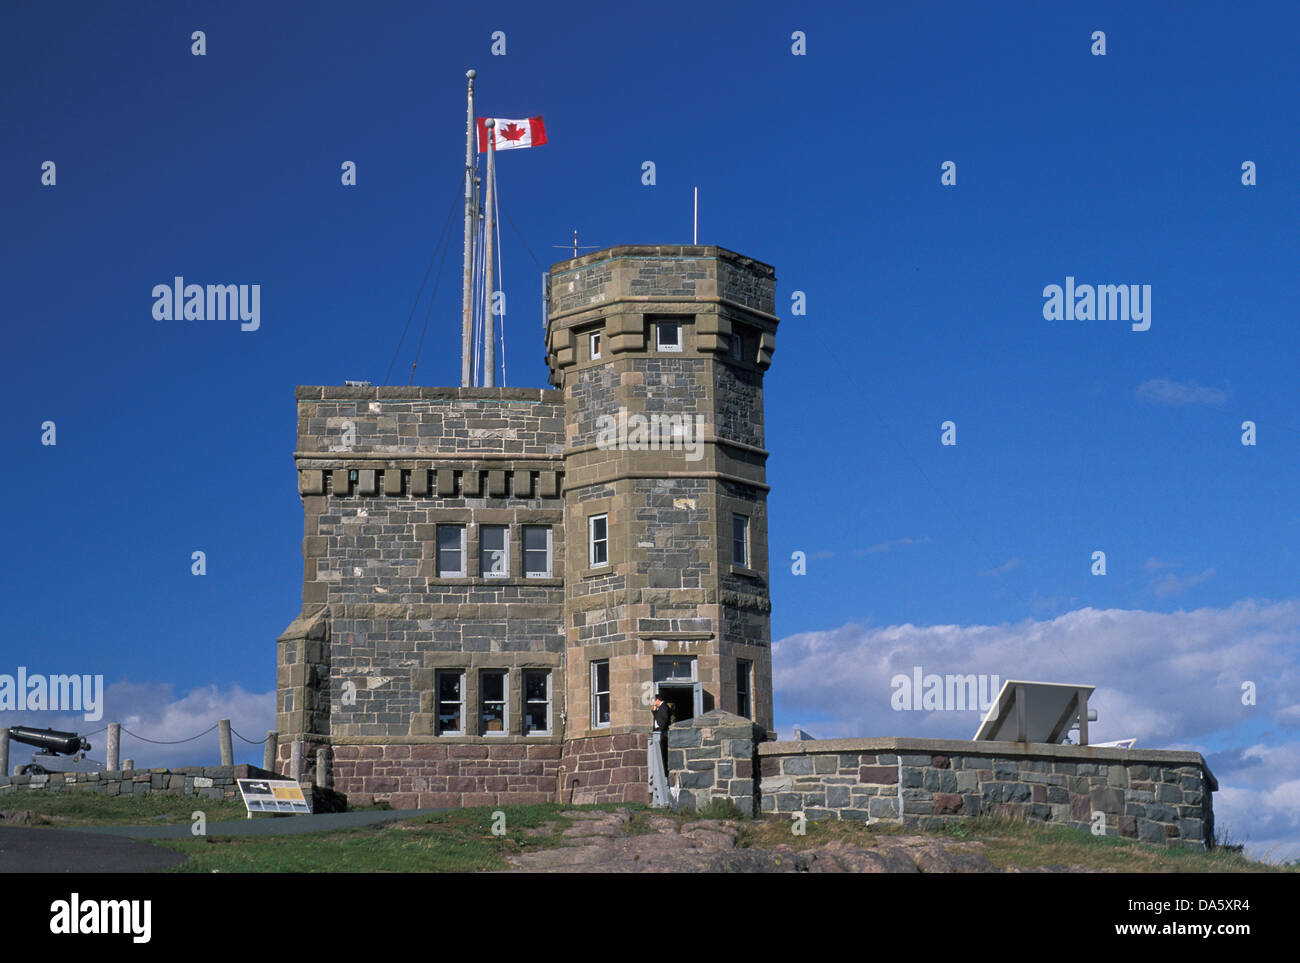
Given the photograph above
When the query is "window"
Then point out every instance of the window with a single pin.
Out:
(494, 551)
(451, 551)
(537, 702)
(668, 335)
(737, 345)
(537, 551)
(493, 720)
(744, 668)
(595, 345)
(740, 540)
(600, 694)
(451, 703)
(598, 532)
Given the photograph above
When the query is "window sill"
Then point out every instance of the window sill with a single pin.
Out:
(497, 580)
(746, 572)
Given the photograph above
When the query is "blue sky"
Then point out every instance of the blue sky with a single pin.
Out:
(924, 304)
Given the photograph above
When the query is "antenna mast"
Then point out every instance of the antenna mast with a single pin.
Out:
(471, 218)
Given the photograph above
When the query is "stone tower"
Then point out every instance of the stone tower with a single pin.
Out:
(660, 352)
(496, 579)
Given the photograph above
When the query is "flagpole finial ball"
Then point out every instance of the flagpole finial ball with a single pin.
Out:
(491, 122)
(471, 74)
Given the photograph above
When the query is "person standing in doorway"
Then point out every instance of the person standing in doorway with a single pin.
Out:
(663, 719)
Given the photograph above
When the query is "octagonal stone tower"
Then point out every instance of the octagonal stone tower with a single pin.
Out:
(660, 352)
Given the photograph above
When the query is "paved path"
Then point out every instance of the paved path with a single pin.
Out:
(72, 851)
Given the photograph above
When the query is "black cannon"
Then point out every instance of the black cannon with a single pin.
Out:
(52, 745)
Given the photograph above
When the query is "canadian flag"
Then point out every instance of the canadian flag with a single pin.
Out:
(512, 133)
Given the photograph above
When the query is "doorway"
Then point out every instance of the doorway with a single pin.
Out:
(677, 681)
(681, 698)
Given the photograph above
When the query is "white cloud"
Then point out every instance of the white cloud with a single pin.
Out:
(1162, 391)
(896, 543)
(1172, 584)
(1168, 679)
(1258, 801)
(153, 711)
(1010, 565)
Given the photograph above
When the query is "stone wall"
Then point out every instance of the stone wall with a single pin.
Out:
(204, 782)
(379, 469)
(1151, 795)
(712, 757)
(463, 774)
(1156, 796)
(611, 768)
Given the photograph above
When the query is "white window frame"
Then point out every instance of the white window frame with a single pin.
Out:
(745, 542)
(592, 540)
(504, 702)
(546, 673)
(659, 330)
(438, 702)
(745, 675)
(596, 693)
(484, 571)
(593, 345)
(437, 551)
(523, 548)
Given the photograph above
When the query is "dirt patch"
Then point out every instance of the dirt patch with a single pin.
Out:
(599, 842)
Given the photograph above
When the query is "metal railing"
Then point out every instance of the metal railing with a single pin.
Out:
(659, 795)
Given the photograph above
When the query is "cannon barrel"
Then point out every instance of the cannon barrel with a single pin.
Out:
(51, 740)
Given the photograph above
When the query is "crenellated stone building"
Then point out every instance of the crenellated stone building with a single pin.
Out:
(496, 580)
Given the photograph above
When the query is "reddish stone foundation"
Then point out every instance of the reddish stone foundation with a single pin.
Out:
(609, 768)
(606, 769)
(423, 776)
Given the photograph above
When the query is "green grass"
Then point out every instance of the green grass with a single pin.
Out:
(463, 841)
(87, 807)
(1016, 843)
(454, 842)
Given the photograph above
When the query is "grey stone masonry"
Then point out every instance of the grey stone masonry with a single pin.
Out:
(660, 351)
(204, 782)
(381, 470)
(1152, 795)
(712, 757)
(493, 578)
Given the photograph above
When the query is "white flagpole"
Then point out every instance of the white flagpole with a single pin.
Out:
(471, 216)
(489, 268)
(695, 229)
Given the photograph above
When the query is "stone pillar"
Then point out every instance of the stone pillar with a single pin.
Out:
(295, 761)
(114, 752)
(128, 764)
(227, 750)
(714, 757)
(322, 768)
(4, 752)
(268, 754)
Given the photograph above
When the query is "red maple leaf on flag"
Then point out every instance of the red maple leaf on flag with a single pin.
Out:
(513, 132)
